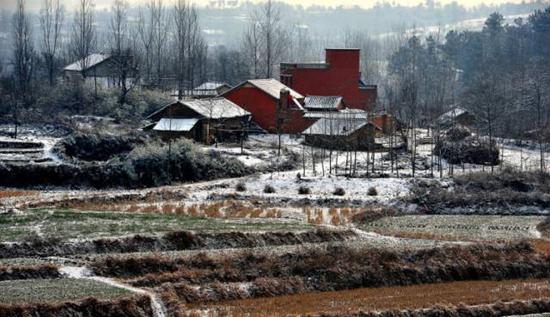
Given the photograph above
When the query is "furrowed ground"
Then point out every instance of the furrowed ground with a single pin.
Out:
(384, 298)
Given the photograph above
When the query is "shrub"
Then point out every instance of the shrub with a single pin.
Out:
(148, 165)
(339, 191)
(457, 133)
(95, 147)
(240, 187)
(304, 190)
(469, 150)
(372, 191)
(268, 189)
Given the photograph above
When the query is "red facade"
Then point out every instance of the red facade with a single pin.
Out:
(339, 76)
(263, 107)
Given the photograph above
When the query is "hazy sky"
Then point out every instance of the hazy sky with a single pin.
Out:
(363, 3)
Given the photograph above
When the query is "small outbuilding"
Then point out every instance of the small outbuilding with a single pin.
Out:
(203, 120)
(457, 115)
(342, 133)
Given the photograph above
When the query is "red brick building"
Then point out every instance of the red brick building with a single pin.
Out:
(340, 75)
(262, 98)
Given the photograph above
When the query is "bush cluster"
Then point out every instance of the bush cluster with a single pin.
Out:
(96, 147)
(471, 150)
(304, 190)
(41, 271)
(132, 306)
(149, 165)
(339, 191)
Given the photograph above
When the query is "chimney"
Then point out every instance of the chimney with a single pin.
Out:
(283, 99)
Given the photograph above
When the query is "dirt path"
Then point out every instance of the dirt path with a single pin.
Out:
(157, 306)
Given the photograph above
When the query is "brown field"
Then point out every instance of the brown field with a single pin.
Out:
(16, 193)
(387, 298)
(541, 246)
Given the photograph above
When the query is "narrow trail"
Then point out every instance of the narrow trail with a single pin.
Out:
(75, 272)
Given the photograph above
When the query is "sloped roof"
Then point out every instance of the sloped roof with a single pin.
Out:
(322, 102)
(213, 108)
(342, 114)
(216, 108)
(335, 126)
(88, 62)
(452, 114)
(271, 87)
(210, 85)
(179, 125)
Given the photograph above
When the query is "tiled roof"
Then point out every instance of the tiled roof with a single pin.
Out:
(322, 102)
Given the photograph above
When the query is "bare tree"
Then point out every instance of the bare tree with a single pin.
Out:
(160, 33)
(271, 37)
(83, 34)
(121, 54)
(52, 15)
(251, 44)
(23, 55)
(146, 35)
(181, 12)
(119, 27)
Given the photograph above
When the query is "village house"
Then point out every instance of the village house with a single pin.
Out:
(339, 75)
(206, 120)
(274, 106)
(343, 132)
(98, 70)
(457, 116)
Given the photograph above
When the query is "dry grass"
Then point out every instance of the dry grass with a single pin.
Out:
(388, 298)
(541, 246)
(227, 209)
(16, 193)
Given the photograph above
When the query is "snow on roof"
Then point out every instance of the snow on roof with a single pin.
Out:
(86, 63)
(343, 114)
(210, 86)
(179, 125)
(215, 108)
(335, 126)
(453, 113)
(322, 102)
(273, 87)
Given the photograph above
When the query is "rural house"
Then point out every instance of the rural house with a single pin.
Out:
(343, 133)
(457, 115)
(203, 120)
(100, 70)
(339, 75)
(274, 106)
